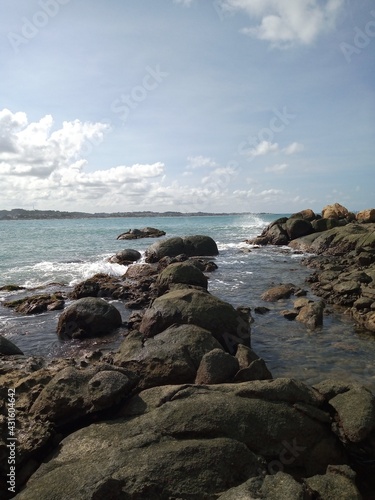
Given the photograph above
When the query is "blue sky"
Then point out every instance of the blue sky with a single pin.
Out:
(220, 106)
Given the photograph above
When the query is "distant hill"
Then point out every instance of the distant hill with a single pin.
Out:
(21, 214)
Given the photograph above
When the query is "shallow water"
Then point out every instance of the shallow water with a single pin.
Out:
(35, 253)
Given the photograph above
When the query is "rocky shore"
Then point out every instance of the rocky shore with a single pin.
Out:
(185, 409)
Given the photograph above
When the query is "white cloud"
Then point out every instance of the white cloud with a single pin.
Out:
(264, 148)
(185, 3)
(278, 168)
(265, 195)
(45, 165)
(201, 162)
(293, 148)
(286, 22)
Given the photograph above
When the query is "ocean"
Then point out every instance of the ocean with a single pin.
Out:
(51, 255)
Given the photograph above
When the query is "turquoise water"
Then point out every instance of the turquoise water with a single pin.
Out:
(38, 253)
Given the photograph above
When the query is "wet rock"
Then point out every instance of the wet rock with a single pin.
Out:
(289, 314)
(278, 292)
(88, 317)
(190, 245)
(190, 306)
(7, 348)
(100, 284)
(216, 367)
(146, 232)
(311, 314)
(126, 257)
(274, 234)
(137, 271)
(36, 304)
(261, 310)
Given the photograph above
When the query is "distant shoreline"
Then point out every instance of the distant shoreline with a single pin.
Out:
(21, 214)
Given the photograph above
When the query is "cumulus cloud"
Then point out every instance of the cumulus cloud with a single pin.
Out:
(286, 22)
(265, 195)
(278, 168)
(263, 148)
(293, 148)
(38, 163)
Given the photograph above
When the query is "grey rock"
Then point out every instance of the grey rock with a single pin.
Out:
(88, 317)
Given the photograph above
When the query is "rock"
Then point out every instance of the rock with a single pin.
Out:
(100, 284)
(181, 272)
(338, 482)
(199, 308)
(216, 367)
(335, 211)
(125, 257)
(289, 314)
(137, 271)
(170, 357)
(311, 314)
(73, 393)
(36, 304)
(245, 356)
(296, 228)
(324, 224)
(261, 310)
(257, 370)
(337, 241)
(216, 432)
(356, 413)
(190, 245)
(88, 317)
(274, 234)
(278, 292)
(7, 348)
(366, 216)
(306, 214)
(147, 232)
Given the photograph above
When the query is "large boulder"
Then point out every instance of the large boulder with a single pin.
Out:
(182, 273)
(170, 357)
(335, 211)
(196, 245)
(88, 317)
(190, 306)
(193, 442)
(306, 214)
(296, 228)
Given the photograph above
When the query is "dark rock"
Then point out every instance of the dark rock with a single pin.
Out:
(7, 348)
(147, 232)
(257, 370)
(125, 257)
(190, 306)
(356, 413)
(190, 245)
(296, 228)
(307, 214)
(245, 356)
(88, 317)
(289, 314)
(36, 304)
(261, 310)
(324, 224)
(184, 272)
(137, 271)
(338, 482)
(170, 357)
(216, 367)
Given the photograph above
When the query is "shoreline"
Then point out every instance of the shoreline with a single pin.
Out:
(165, 392)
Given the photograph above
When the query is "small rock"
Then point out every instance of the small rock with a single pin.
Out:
(216, 367)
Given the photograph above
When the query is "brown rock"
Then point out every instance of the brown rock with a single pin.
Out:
(367, 215)
(335, 211)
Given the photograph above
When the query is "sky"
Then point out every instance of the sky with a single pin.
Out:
(187, 105)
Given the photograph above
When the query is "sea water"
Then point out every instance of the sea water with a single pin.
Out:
(51, 255)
